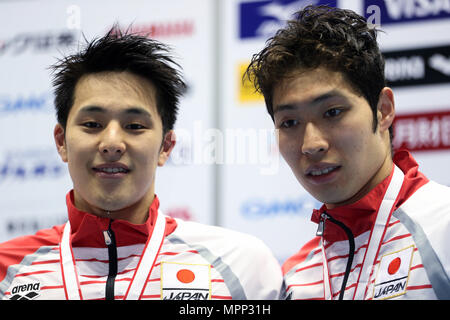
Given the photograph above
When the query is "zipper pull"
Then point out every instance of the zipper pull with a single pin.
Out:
(321, 227)
(107, 237)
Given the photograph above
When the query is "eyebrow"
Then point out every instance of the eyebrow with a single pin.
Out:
(131, 110)
(323, 97)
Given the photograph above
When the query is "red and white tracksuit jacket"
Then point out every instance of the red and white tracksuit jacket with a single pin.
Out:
(393, 243)
(98, 258)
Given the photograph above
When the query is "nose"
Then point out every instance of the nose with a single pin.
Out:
(112, 145)
(314, 143)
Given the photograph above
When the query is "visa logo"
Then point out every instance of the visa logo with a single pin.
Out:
(397, 11)
(264, 18)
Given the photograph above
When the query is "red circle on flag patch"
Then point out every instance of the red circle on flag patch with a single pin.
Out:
(185, 276)
(394, 265)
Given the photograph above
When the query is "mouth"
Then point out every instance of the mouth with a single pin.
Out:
(322, 173)
(111, 170)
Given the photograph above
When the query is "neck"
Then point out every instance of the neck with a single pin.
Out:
(136, 213)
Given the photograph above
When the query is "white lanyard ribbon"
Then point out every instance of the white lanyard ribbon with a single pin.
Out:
(378, 231)
(143, 270)
(326, 274)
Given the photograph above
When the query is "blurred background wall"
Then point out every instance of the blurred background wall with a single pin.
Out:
(225, 169)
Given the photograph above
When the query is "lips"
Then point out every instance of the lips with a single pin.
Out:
(111, 170)
(322, 173)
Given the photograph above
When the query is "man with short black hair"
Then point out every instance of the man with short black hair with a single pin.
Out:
(383, 228)
(117, 102)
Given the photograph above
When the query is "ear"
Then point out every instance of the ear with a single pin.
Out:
(168, 144)
(60, 141)
(386, 109)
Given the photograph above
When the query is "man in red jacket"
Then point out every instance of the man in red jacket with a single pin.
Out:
(383, 228)
(117, 102)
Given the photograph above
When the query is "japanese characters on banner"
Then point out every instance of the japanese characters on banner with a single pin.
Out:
(225, 168)
(34, 34)
(272, 204)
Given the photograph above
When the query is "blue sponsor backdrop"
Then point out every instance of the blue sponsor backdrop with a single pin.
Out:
(264, 18)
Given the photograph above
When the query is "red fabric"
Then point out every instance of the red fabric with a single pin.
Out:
(87, 229)
(86, 232)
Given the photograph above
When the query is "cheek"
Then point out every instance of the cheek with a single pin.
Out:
(359, 151)
(352, 140)
(145, 154)
(289, 147)
(80, 156)
(76, 150)
(71, 151)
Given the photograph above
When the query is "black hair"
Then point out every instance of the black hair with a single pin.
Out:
(118, 52)
(322, 36)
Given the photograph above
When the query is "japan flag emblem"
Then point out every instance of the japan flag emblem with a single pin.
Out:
(393, 273)
(181, 281)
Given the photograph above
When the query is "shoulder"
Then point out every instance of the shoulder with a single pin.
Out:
(430, 200)
(14, 251)
(426, 215)
(428, 211)
(246, 262)
(218, 239)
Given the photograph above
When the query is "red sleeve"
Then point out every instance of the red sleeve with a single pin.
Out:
(13, 251)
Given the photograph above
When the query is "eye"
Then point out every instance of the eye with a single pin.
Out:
(135, 126)
(91, 125)
(288, 124)
(333, 112)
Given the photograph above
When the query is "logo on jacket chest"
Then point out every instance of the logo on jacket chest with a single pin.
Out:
(393, 274)
(26, 291)
(181, 281)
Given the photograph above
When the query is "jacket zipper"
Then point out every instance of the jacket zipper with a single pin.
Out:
(351, 252)
(110, 241)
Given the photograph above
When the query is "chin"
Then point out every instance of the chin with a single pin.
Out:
(327, 198)
(110, 202)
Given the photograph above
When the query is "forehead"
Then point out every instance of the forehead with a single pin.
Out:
(307, 85)
(114, 91)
